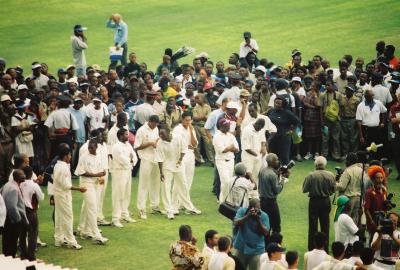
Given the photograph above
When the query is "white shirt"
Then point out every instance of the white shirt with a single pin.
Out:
(232, 94)
(345, 230)
(159, 108)
(220, 260)
(334, 264)
(282, 262)
(370, 117)
(353, 260)
(244, 50)
(143, 112)
(62, 178)
(180, 131)
(270, 265)
(240, 191)
(314, 258)
(269, 126)
(121, 153)
(169, 153)
(61, 118)
(112, 137)
(40, 81)
(89, 163)
(96, 117)
(222, 141)
(373, 267)
(28, 189)
(144, 135)
(378, 252)
(251, 140)
(280, 93)
(207, 252)
(382, 94)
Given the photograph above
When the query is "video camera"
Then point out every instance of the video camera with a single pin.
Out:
(285, 168)
(384, 222)
(339, 172)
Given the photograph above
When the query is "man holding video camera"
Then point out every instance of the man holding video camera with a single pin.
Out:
(386, 242)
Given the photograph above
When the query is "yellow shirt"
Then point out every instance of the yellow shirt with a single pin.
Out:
(171, 92)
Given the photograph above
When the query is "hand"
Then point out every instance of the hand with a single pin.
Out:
(82, 189)
(39, 179)
(162, 177)
(154, 144)
(263, 151)
(103, 173)
(117, 48)
(381, 125)
(101, 180)
(194, 240)
(362, 140)
(178, 163)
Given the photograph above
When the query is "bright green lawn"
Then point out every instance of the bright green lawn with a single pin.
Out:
(40, 30)
(144, 245)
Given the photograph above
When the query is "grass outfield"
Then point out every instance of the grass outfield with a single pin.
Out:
(145, 244)
(40, 30)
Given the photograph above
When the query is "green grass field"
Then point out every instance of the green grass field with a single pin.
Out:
(40, 30)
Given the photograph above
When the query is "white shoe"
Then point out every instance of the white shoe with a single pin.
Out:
(60, 244)
(75, 246)
(156, 210)
(308, 156)
(117, 224)
(170, 216)
(194, 211)
(129, 220)
(101, 241)
(142, 214)
(103, 222)
(175, 212)
(86, 236)
(40, 243)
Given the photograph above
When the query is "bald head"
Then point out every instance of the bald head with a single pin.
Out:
(117, 18)
(320, 162)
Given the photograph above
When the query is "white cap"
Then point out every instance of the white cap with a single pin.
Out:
(73, 80)
(203, 55)
(297, 79)
(232, 105)
(261, 68)
(36, 66)
(22, 86)
(96, 99)
(70, 66)
(5, 98)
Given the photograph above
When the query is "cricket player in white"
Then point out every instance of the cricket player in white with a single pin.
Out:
(253, 146)
(225, 146)
(91, 172)
(149, 174)
(62, 185)
(186, 131)
(102, 151)
(123, 160)
(170, 153)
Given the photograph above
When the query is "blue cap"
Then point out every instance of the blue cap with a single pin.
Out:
(79, 28)
(61, 70)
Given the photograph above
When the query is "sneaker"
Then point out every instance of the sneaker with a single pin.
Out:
(202, 160)
(75, 246)
(101, 241)
(175, 212)
(86, 236)
(156, 210)
(60, 244)
(299, 158)
(170, 216)
(129, 220)
(40, 243)
(308, 156)
(117, 224)
(193, 211)
(142, 214)
(103, 222)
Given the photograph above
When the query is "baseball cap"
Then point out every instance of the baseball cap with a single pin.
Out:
(244, 93)
(62, 70)
(207, 86)
(232, 105)
(36, 65)
(261, 68)
(296, 52)
(297, 79)
(274, 247)
(247, 35)
(78, 99)
(203, 55)
(79, 28)
(96, 99)
(5, 98)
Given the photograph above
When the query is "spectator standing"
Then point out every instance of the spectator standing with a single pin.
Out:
(120, 37)
(79, 46)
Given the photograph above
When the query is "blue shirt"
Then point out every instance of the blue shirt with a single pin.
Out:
(121, 32)
(212, 120)
(80, 117)
(247, 238)
(129, 108)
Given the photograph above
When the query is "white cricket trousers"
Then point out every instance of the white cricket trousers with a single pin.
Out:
(188, 164)
(180, 191)
(253, 166)
(88, 220)
(166, 191)
(121, 193)
(64, 220)
(149, 185)
(225, 171)
(101, 193)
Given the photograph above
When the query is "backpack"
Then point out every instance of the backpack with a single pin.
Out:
(332, 109)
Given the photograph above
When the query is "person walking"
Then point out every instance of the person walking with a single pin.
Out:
(120, 37)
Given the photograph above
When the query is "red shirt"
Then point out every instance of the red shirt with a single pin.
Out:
(394, 113)
(374, 200)
(394, 63)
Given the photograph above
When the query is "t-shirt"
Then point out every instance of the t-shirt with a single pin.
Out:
(345, 230)
(96, 117)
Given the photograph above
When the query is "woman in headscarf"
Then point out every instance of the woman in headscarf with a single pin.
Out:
(345, 229)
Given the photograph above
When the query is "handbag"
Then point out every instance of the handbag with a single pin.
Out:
(226, 208)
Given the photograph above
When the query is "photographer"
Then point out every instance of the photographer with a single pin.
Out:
(387, 238)
(269, 188)
(319, 184)
(349, 185)
(251, 228)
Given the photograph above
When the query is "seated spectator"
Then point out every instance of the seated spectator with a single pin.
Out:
(355, 254)
(318, 255)
(367, 257)
(292, 258)
(274, 255)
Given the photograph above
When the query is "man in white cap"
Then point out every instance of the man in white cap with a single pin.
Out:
(78, 49)
(260, 72)
(98, 115)
(40, 79)
(71, 74)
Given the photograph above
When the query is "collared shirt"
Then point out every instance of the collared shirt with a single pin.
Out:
(345, 230)
(144, 135)
(62, 178)
(382, 94)
(185, 256)
(221, 261)
(80, 116)
(201, 111)
(30, 189)
(314, 258)
(89, 163)
(348, 106)
(334, 264)
(78, 51)
(143, 113)
(271, 265)
(232, 94)
(222, 141)
(207, 252)
(185, 134)
(62, 118)
(244, 50)
(40, 81)
(159, 107)
(248, 239)
(269, 185)
(14, 202)
(370, 117)
(350, 181)
(121, 32)
(319, 184)
(121, 153)
(251, 140)
(169, 153)
(212, 120)
(173, 119)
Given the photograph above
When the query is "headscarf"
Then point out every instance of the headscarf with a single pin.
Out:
(341, 204)
(374, 170)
